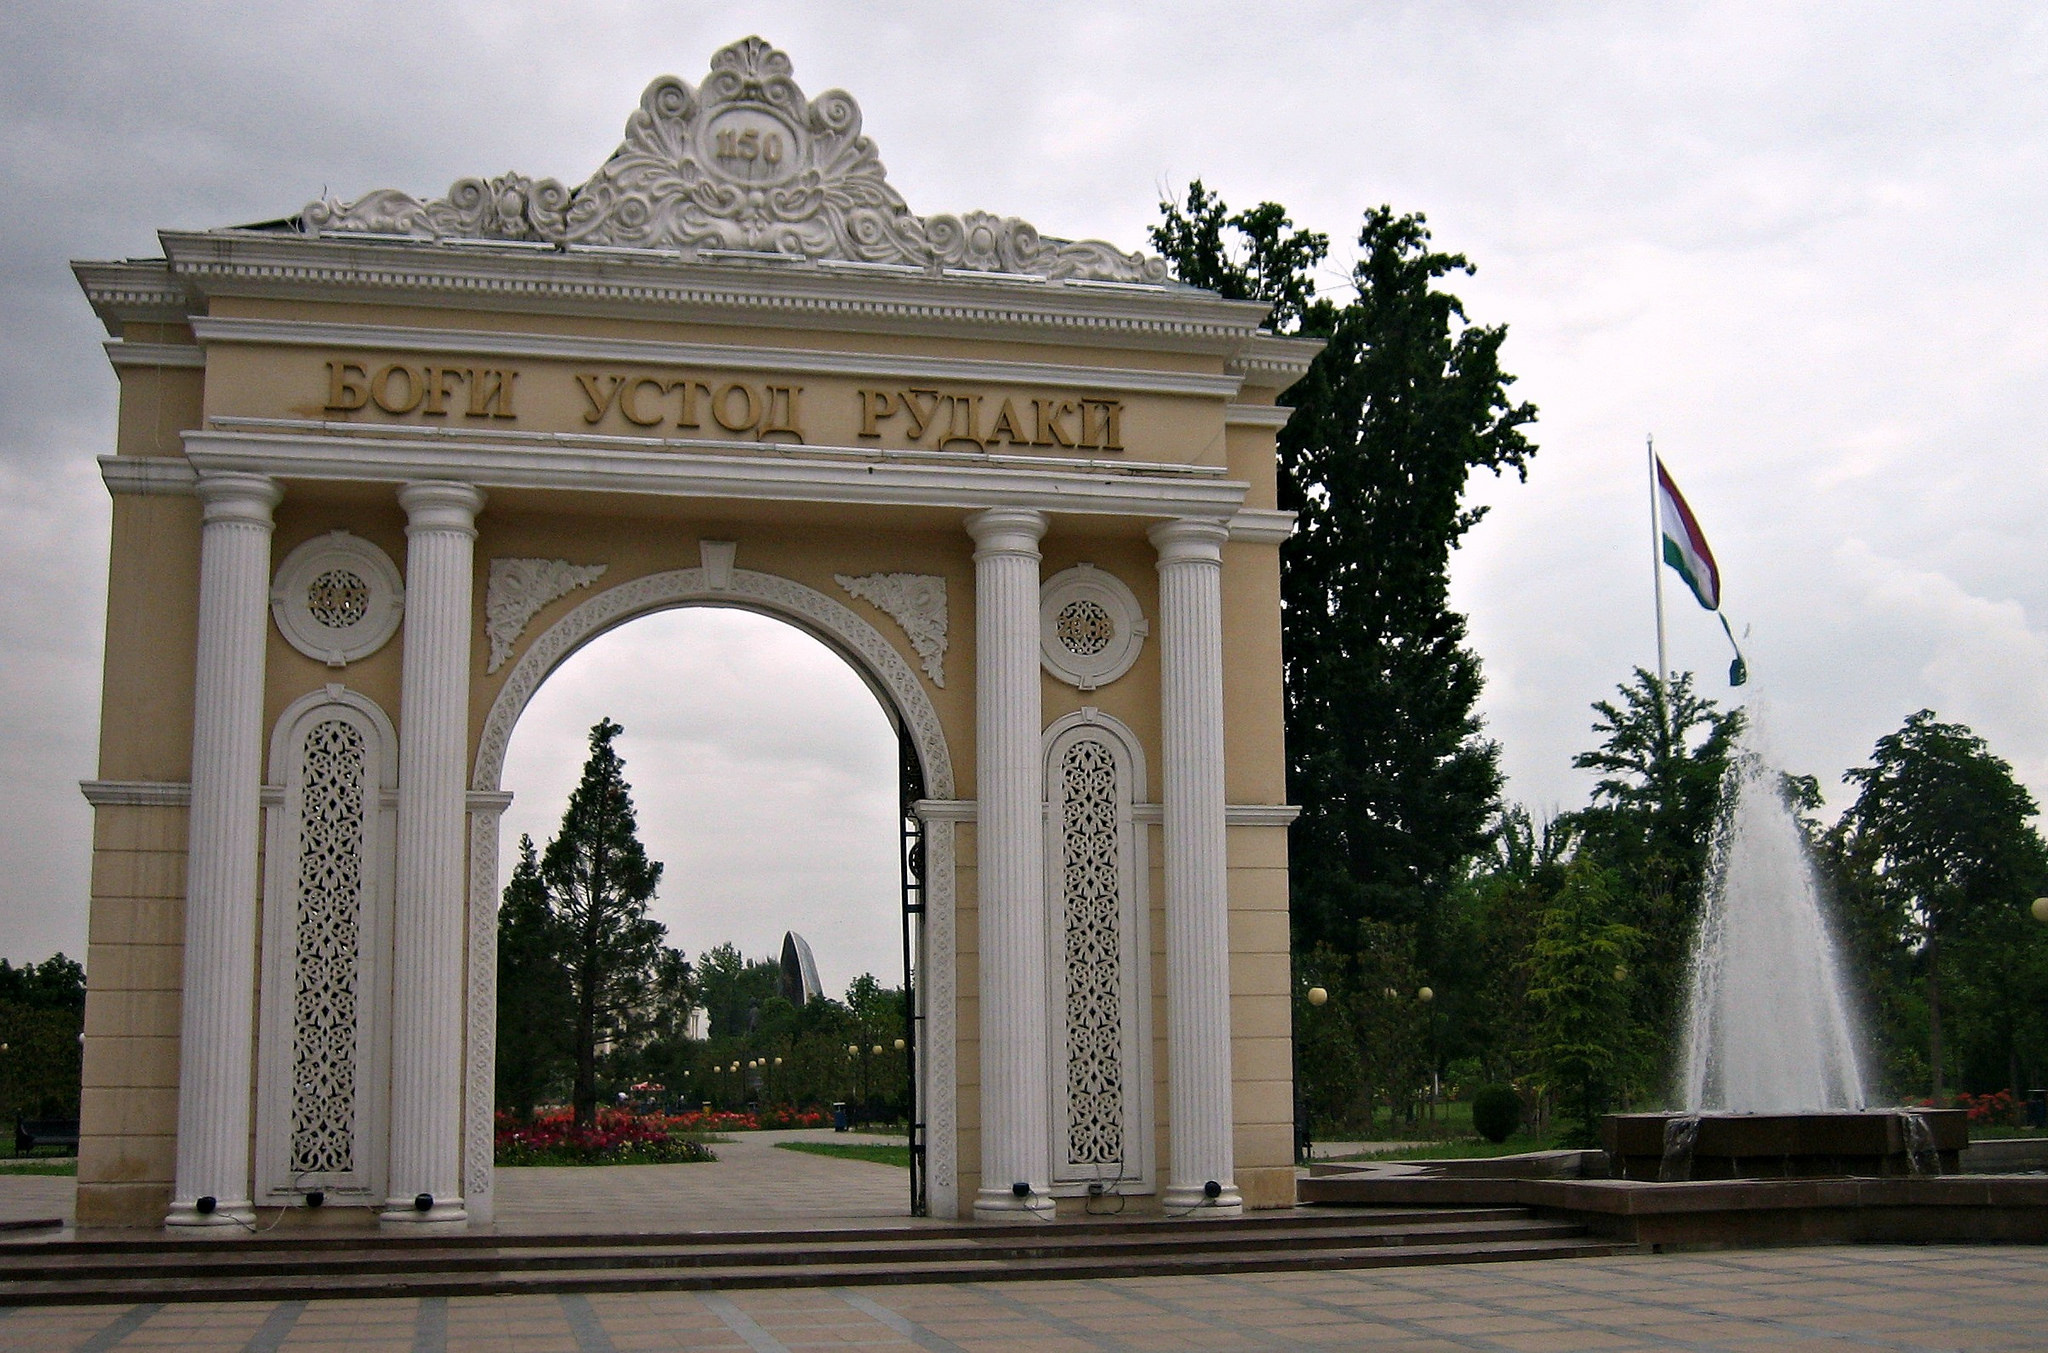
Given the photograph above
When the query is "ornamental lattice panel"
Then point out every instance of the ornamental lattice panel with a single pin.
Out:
(1092, 907)
(327, 963)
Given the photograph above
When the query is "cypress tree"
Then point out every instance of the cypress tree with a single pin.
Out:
(599, 881)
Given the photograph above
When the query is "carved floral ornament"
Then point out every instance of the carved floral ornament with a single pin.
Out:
(744, 162)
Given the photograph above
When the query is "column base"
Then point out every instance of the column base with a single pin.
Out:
(1005, 1205)
(400, 1215)
(234, 1216)
(1189, 1202)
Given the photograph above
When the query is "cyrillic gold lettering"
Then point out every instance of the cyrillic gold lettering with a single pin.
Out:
(874, 405)
(1007, 428)
(785, 395)
(380, 389)
(1049, 432)
(920, 416)
(595, 413)
(963, 422)
(722, 401)
(345, 395)
(687, 417)
(629, 400)
(490, 394)
(437, 389)
(1099, 433)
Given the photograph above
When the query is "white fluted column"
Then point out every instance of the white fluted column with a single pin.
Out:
(1010, 863)
(216, 1047)
(1197, 879)
(427, 961)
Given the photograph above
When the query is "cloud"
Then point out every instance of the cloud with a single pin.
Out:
(1798, 243)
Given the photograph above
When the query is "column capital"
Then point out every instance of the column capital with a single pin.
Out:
(441, 505)
(248, 499)
(1189, 540)
(1007, 530)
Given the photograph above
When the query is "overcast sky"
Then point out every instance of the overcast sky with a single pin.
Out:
(1799, 243)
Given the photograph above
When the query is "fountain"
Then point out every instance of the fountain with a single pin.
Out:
(1773, 1081)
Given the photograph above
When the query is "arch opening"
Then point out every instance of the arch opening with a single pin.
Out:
(655, 636)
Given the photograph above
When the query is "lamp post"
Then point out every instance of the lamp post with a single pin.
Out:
(1427, 996)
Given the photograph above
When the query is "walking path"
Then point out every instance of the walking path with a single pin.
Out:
(752, 1185)
(1837, 1298)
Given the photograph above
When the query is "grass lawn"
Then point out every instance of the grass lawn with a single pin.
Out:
(1464, 1148)
(52, 1165)
(898, 1156)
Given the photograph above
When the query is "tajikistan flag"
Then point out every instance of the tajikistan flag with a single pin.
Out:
(1685, 545)
(1685, 550)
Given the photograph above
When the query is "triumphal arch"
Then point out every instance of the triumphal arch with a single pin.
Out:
(384, 464)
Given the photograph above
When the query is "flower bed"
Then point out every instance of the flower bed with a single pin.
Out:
(615, 1139)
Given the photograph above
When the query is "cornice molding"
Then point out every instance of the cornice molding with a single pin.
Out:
(792, 292)
(709, 356)
(178, 794)
(1261, 526)
(651, 468)
(129, 291)
(154, 475)
(1272, 416)
(865, 455)
(136, 793)
(127, 354)
(1272, 362)
(1146, 814)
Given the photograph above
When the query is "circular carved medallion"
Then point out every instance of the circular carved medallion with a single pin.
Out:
(750, 145)
(1090, 627)
(337, 598)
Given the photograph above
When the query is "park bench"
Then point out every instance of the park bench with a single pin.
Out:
(30, 1133)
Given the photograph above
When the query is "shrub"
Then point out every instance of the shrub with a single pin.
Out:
(616, 1139)
(1496, 1112)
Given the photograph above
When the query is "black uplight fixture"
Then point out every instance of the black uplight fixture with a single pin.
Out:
(205, 1206)
(1212, 1190)
(1021, 1189)
(423, 1204)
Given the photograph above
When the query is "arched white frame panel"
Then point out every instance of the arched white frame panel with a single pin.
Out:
(1101, 1012)
(907, 706)
(312, 952)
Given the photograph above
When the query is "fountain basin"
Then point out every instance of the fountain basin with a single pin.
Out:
(1865, 1143)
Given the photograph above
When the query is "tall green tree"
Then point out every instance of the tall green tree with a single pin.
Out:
(1662, 759)
(535, 1002)
(1407, 398)
(42, 1014)
(1944, 830)
(1586, 1044)
(599, 882)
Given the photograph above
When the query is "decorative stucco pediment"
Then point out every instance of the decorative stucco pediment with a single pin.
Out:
(746, 163)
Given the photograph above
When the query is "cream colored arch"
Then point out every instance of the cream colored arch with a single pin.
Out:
(877, 660)
(903, 698)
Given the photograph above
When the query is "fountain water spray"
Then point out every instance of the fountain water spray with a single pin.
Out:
(1768, 1023)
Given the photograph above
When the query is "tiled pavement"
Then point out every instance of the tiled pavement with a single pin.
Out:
(1866, 1297)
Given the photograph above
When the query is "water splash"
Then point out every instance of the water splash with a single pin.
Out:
(1768, 1024)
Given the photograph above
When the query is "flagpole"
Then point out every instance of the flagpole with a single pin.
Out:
(1656, 556)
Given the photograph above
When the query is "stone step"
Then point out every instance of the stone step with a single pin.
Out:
(349, 1241)
(861, 1270)
(740, 1251)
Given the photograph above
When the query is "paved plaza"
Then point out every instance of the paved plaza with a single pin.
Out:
(1895, 1298)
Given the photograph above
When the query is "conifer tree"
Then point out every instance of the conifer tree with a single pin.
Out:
(1395, 783)
(599, 881)
(534, 999)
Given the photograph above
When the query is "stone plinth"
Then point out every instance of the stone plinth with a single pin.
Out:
(1871, 1143)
